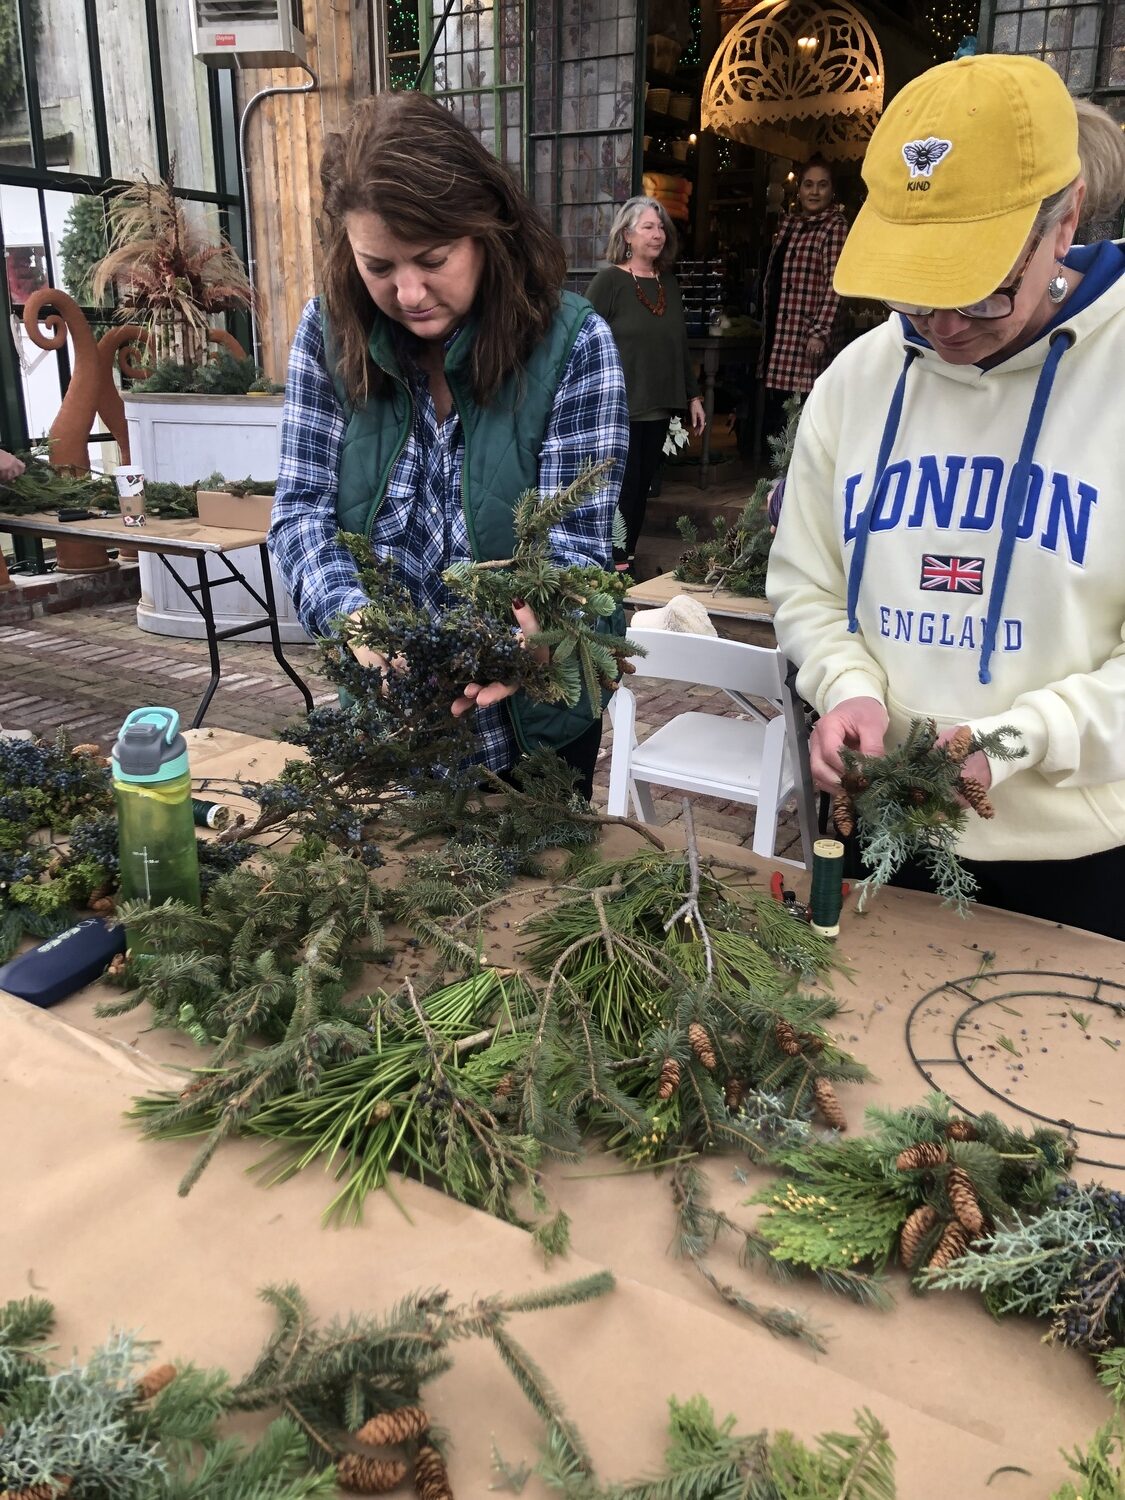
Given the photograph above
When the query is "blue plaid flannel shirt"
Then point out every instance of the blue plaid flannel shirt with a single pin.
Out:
(420, 524)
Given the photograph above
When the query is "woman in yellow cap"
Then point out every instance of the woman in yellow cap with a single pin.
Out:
(954, 523)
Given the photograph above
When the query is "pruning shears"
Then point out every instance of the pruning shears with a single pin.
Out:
(788, 899)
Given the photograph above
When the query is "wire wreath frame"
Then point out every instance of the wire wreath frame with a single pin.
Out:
(1088, 990)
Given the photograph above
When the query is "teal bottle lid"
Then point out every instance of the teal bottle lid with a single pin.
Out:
(150, 747)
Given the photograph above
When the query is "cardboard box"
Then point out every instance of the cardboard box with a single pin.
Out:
(227, 512)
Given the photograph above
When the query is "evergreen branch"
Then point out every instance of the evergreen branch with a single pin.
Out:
(538, 1391)
(597, 1284)
(604, 820)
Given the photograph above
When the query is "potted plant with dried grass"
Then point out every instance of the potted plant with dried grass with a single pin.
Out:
(175, 280)
(170, 279)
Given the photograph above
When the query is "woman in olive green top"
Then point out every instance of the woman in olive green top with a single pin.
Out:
(638, 297)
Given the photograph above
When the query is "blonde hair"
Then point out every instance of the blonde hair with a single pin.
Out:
(626, 218)
(1101, 150)
(1101, 146)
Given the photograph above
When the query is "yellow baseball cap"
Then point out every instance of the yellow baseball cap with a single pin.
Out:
(956, 170)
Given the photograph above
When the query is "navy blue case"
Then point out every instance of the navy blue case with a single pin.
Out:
(63, 964)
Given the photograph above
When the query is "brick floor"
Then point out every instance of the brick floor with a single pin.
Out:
(85, 669)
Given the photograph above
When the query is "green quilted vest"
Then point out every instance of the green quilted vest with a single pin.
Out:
(501, 460)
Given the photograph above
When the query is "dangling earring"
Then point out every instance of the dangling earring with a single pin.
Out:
(628, 252)
(1057, 287)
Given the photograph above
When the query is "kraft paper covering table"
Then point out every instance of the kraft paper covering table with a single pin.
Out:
(93, 1222)
(187, 539)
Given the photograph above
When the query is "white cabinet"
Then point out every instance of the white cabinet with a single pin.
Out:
(181, 439)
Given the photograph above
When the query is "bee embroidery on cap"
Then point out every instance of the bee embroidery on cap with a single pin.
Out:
(923, 156)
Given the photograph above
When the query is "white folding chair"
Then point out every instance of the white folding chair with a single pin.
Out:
(760, 759)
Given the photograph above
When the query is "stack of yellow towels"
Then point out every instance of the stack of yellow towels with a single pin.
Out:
(671, 192)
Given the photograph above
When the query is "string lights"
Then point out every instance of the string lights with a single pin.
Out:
(948, 22)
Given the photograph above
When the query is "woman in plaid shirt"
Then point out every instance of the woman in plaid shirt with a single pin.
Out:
(799, 311)
(442, 290)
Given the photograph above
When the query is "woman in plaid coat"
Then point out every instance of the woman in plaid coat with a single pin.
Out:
(799, 307)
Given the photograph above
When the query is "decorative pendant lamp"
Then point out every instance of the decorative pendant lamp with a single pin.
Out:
(794, 77)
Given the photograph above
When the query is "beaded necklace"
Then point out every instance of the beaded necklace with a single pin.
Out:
(661, 299)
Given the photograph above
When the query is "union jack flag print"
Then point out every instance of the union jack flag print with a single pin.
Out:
(952, 575)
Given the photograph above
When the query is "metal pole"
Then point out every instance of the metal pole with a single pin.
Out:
(436, 38)
(244, 178)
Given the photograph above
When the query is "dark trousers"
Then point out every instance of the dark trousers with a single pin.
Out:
(773, 414)
(1087, 893)
(646, 443)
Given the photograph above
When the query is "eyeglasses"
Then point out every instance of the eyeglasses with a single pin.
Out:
(997, 304)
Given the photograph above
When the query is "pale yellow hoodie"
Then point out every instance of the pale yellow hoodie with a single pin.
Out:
(1056, 673)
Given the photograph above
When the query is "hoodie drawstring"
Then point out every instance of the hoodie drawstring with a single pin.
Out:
(863, 525)
(1016, 497)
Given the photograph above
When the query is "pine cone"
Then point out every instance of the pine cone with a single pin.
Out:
(963, 1200)
(505, 1086)
(924, 1154)
(855, 782)
(953, 1243)
(913, 1232)
(116, 965)
(787, 1039)
(670, 1075)
(976, 796)
(398, 1426)
(370, 1476)
(843, 813)
(961, 1130)
(828, 1104)
(701, 1045)
(733, 1094)
(958, 745)
(104, 906)
(154, 1381)
(430, 1478)
(918, 795)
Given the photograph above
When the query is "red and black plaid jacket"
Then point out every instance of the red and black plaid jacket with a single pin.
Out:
(800, 267)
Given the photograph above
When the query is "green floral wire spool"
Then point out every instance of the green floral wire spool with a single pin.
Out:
(827, 896)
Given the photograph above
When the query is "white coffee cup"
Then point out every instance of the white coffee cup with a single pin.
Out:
(130, 482)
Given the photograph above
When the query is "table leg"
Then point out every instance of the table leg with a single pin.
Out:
(275, 635)
(207, 610)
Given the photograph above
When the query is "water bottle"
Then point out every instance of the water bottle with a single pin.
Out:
(156, 831)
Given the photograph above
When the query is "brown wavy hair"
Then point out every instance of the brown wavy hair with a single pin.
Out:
(405, 158)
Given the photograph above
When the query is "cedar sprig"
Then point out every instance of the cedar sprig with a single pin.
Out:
(835, 1208)
(905, 806)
